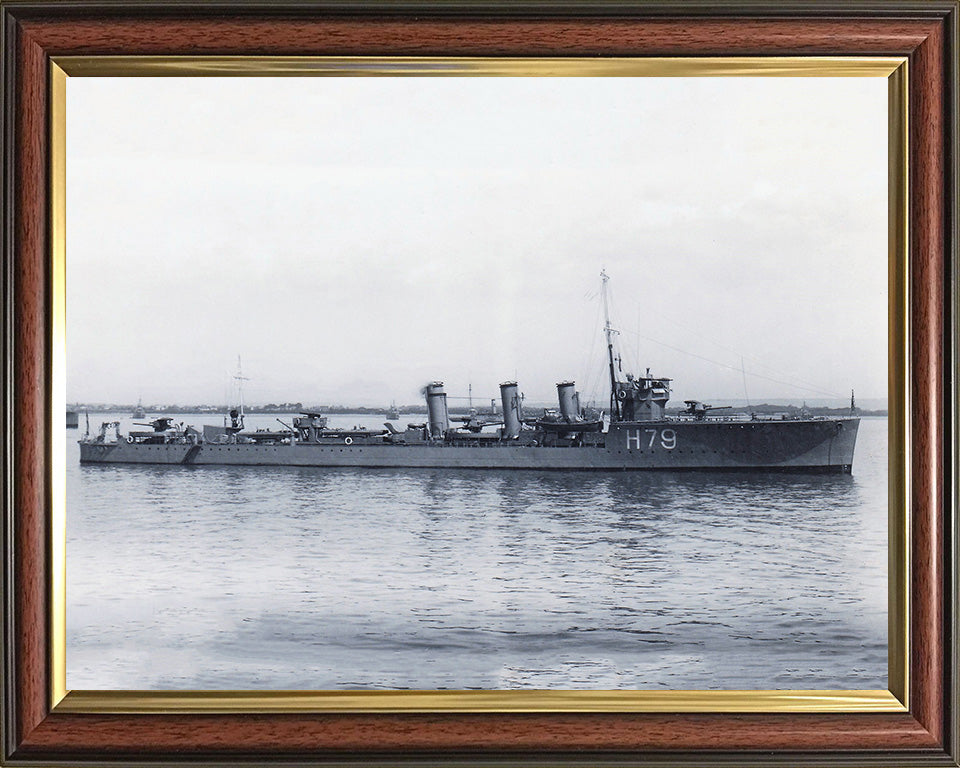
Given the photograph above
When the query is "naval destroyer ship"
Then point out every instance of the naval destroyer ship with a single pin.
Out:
(636, 433)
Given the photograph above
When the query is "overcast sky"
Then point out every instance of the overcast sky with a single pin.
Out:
(354, 238)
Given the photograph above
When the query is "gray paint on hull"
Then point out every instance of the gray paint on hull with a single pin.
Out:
(822, 445)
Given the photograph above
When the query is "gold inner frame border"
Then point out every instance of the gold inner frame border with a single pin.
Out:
(895, 699)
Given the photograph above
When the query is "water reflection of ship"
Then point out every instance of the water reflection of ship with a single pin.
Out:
(635, 433)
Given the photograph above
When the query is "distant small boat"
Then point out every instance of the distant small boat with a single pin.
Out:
(393, 412)
(73, 420)
(138, 412)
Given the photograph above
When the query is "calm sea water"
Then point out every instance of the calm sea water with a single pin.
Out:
(230, 577)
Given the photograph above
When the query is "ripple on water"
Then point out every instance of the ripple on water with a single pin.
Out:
(228, 577)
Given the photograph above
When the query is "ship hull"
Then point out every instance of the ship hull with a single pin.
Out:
(800, 446)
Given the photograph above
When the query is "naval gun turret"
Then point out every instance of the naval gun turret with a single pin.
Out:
(700, 410)
(474, 421)
(160, 424)
(162, 430)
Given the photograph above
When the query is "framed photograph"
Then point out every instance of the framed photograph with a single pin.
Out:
(468, 384)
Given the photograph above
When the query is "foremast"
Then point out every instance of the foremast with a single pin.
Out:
(610, 332)
(233, 420)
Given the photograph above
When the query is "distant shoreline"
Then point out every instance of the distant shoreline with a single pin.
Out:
(766, 409)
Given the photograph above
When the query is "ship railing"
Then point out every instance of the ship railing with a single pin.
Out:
(747, 417)
(734, 418)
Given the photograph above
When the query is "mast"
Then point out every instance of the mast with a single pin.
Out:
(609, 331)
(240, 379)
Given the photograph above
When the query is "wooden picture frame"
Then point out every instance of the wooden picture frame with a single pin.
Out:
(39, 728)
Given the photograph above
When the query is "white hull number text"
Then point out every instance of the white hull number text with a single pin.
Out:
(647, 438)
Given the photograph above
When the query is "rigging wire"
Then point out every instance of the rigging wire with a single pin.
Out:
(591, 358)
(756, 362)
(743, 370)
(639, 326)
(591, 383)
(594, 380)
(615, 322)
(802, 385)
(816, 390)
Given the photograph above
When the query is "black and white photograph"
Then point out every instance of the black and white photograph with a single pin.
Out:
(477, 383)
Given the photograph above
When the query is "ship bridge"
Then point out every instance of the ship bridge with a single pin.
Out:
(642, 398)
